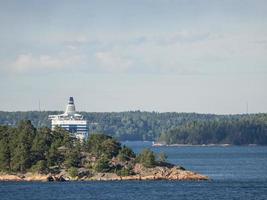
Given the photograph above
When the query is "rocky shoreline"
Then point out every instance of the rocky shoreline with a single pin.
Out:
(141, 173)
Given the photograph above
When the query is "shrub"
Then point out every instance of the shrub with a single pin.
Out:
(124, 172)
(146, 158)
(125, 154)
(102, 165)
(72, 159)
(73, 172)
(40, 167)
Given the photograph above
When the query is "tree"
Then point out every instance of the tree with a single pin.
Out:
(102, 165)
(73, 172)
(40, 167)
(125, 154)
(147, 158)
(72, 158)
(124, 171)
(102, 145)
(94, 144)
(22, 157)
(5, 153)
(110, 148)
(41, 144)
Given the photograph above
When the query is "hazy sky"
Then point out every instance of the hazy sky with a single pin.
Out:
(206, 56)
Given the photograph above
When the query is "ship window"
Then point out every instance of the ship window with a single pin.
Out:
(72, 128)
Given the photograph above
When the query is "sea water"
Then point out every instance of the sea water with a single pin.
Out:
(236, 172)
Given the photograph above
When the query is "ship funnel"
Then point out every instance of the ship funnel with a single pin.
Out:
(70, 109)
(71, 100)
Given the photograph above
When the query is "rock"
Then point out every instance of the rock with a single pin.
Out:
(105, 177)
(10, 177)
(50, 178)
(58, 178)
(84, 173)
(23, 177)
(35, 177)
(167, 173)
(165, 164)
(163, 172)
(155, 173)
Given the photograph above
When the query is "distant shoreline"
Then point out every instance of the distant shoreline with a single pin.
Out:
(156, 144)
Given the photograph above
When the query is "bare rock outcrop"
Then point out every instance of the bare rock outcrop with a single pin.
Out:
(163, 172)
(167, 173)
(155, 173)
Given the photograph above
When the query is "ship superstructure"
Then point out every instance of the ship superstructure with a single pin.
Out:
(71, 121)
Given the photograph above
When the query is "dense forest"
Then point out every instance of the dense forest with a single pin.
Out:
(133, 125)
(27, 149)
(244, 131)
(136, 125)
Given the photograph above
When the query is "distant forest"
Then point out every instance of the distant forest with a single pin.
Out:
(172, 128)
(241, 131)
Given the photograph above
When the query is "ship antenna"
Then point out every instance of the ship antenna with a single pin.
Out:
(39, 105)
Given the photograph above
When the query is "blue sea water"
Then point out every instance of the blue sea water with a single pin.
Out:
(237, 172)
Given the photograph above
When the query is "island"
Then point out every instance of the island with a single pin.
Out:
(30, 154)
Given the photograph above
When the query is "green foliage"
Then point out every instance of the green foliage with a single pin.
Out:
(125, 171)
(41, 144)
(102, 145)
(125, 154)
(94, 143)
(73, 172)
(40, 167)
(133, 125)
(136, 125)
(24, 148)
(147, 158)
(73, 158)
(111, 148)
(102, 165)
(234, 131)
(5, 153)
(21, 155)
(54, 157)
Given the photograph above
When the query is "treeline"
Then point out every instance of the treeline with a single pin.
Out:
(134, 125)
(27, 149)
(24, 148)
(241, 131)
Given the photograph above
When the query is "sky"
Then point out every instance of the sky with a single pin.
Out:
(204, 56)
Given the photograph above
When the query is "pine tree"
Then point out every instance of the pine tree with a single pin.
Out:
(22, 156)
(41, 144)
(147, 158)
(5, 154)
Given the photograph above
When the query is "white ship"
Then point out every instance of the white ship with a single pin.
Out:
(71, 121)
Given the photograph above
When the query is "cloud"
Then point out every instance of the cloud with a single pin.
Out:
(180, 52)
(112, 62)
(182, 37)
(26, 62)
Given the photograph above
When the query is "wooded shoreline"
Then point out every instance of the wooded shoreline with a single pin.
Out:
(157, 173)
(30, 154)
